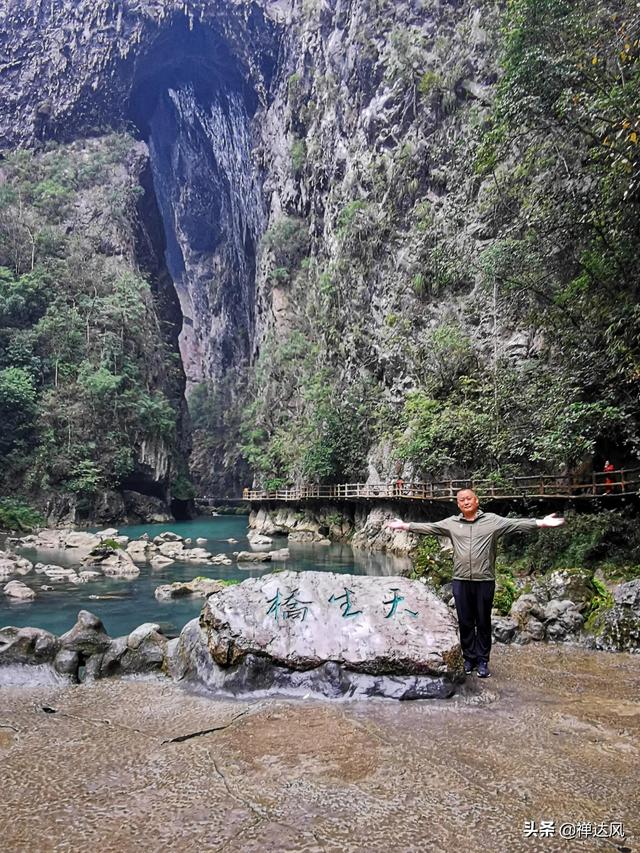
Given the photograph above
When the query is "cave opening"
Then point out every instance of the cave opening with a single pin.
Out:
(184, 54)
(193, 101)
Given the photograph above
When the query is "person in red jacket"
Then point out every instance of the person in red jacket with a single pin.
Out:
(608, 481)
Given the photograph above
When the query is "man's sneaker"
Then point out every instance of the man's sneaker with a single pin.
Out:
(469, 666)
(483, 670)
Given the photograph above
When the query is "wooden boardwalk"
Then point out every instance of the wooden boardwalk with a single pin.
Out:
(624, 481)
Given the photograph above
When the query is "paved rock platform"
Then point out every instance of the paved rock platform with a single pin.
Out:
(139, 764)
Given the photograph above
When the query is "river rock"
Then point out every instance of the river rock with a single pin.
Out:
(140, 634)
(114, 562)
(253, 557)
(617, 629)
(19, 590)
(528, 605)
(159, 562)
(67, 662)
(10, 564)
(258, 538)
(27, 646)
(262, 556)
(532, 629)
(7, 568)
(108, 533)
(119, 565)
(172, 549)
(87, 636)
(57, 572)
(84, 541)
(201, 541)
(167, 536)
(334, 634)
(141, 549)
(504, 629)
(49, 538)
(143, 651)
(280, 554)
(88, 575)
(202, 587)
(195, 555)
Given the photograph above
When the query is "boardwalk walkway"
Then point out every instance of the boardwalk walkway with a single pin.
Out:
(622, 481)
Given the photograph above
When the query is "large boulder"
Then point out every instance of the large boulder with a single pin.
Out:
(49, 538)
(168, 536)
(195, 555)
(256, 538)
(141, 550)
(575, 584)
(79, 539)
(253, 557)
(143, 650)
(114, 562)
(171, 549)
(11, 564)
(19, 590)
(262, 556)
(617, 628)
(27, 646)
(159, 562)
(7, 568)
(628, 595)
(119, 565)
(320, 631)
(201, 587)
(87, 637)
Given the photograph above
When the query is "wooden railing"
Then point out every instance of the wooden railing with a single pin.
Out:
(621, 481)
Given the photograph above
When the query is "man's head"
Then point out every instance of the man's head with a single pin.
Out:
(467, 503)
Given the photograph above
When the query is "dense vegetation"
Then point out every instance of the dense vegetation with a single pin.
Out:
(418, 357)
(83, 363)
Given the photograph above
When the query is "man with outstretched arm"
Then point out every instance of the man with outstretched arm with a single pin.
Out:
(474, 535)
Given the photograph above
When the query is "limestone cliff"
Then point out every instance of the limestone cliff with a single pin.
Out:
(332, 241)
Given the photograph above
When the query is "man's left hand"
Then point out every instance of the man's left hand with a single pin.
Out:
(552, 520)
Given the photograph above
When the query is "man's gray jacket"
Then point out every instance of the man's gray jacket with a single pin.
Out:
(474, 542)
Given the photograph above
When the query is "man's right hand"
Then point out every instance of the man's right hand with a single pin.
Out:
(397, 524)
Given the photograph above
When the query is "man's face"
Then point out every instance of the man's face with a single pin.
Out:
(467, 502)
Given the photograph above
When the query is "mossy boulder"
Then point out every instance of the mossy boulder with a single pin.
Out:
(616, 629)
(575, 584)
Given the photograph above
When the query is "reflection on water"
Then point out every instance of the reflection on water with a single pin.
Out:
(124, 603)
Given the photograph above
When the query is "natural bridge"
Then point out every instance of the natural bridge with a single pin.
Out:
(622, 481)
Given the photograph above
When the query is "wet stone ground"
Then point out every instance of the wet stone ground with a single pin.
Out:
(125, 765)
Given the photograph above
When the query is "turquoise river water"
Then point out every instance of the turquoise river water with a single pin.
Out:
(124, 603)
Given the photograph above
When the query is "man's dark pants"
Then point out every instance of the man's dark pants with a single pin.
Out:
(474, 600)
